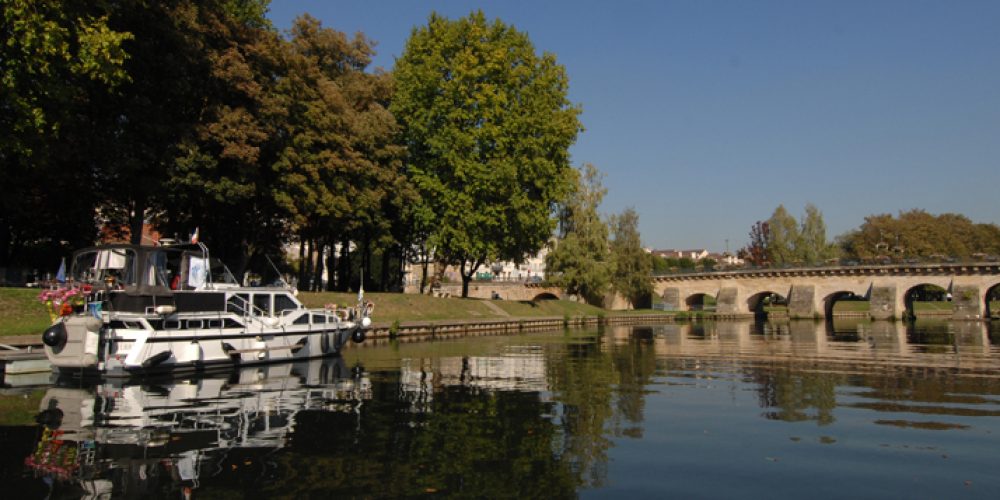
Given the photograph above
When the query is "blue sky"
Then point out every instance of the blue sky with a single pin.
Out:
(705, 115)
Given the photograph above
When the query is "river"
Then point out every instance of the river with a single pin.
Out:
(704, 410)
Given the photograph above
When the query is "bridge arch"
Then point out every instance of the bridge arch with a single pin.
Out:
(924, 292)
(758, 302)
(545, 296)
(991, 298)
(700, 302)
(830, 300)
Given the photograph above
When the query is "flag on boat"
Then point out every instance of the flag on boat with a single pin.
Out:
(61, 273)
(194, 236)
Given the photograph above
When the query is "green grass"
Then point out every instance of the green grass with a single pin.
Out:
(20, 409)
(936, 306)
(21, 313)
(851, 306)
(405, 308)
(526, 308)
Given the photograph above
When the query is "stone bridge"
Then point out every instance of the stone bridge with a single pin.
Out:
(812, 292)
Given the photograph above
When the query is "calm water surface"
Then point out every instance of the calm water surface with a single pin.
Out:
(714, 410)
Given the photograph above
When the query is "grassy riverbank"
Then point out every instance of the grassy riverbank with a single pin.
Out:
(22, 314)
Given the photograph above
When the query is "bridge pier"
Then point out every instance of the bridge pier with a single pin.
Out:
(672, 299)
(802, 303)
(886, 303)
(728, 301)
(967, 302)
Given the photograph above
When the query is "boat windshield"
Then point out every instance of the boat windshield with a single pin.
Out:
(186, 269)
(115, 265)
(177, 268)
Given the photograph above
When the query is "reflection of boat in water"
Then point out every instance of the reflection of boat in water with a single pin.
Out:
(133, 309)
(119, 439)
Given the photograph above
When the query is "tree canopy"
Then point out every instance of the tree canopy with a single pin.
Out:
(919, 234)
(632, 266)
(781, 241)
(580, 261)
(487, 125)
(185, 114)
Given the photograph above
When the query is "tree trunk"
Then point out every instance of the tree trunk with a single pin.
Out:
(345, 265)
(320, 249)
(331, 266)
(466, 278)
(424, 263)
(307, 266)
(136, 220)
(384, 278)
(302, 261)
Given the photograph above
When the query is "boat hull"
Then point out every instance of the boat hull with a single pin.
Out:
(83, 348)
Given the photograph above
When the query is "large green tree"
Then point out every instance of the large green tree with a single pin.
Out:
(219, 170)
(487, 125)
(55, 60)
(919, 234)
(340, 170)
(580, 262)
(632, 266)
(813, 247)
(783, 237)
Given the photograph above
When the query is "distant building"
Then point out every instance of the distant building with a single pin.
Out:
(698, 254)
(726, 259)
(671, 253)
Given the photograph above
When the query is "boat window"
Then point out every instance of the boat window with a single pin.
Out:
(171, 324)
(282, 302)
(302, 320)
(195, 323)
(319, 319)
(214, 323)
(98, 265)
(164, 269)
(133, 325)
(262, 302)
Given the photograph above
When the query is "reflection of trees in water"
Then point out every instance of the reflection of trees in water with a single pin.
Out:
(790, 394)
(635, 364)
(468, 442)
(582, 381)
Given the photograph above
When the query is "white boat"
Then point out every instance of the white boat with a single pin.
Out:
(130, 310)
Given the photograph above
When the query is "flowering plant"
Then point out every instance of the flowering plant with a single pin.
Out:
(61, 301)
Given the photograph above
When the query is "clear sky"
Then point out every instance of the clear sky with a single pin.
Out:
(705, 115)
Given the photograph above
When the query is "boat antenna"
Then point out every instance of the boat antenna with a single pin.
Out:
(276, 271)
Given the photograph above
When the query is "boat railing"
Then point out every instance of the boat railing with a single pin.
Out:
(247, 310)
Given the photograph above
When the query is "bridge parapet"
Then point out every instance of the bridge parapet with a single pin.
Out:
(962, 269)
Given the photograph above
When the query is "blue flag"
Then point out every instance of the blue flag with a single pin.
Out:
(61, 273)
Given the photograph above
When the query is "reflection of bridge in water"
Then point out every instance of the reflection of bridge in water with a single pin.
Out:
(851, 343)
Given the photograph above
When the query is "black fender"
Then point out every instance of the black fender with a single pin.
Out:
(55, 336)
(156, 359)
(358, 336)
(325, 342)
